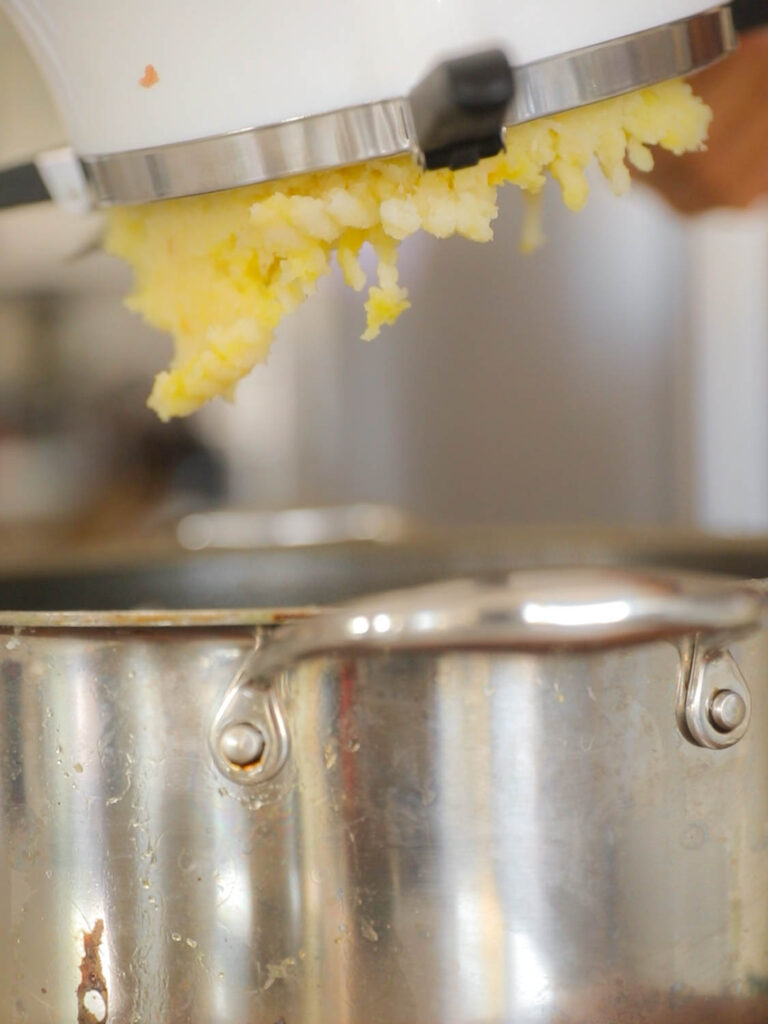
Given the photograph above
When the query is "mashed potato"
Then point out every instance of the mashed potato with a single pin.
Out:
(220, 272)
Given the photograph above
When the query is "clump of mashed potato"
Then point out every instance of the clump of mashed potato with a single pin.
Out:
(220, 272)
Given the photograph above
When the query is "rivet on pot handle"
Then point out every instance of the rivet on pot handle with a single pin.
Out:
(249, 739)
(717, 703)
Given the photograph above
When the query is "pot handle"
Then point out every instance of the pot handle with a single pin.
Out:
(551, 608)
(548, 610)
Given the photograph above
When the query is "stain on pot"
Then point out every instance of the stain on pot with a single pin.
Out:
(92, 996)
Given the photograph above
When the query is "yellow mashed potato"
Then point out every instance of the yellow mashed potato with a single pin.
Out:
(220, 272)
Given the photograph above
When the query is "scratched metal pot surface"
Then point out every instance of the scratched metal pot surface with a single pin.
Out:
(542, 799)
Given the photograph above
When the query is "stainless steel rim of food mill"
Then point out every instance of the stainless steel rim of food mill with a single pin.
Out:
(385, 129)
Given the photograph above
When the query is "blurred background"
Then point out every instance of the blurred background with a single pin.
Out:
(617, 377)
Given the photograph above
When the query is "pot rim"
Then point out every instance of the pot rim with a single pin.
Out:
(12, 622)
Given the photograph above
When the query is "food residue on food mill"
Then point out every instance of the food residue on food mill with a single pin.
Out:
(220, 272)
(150, 77)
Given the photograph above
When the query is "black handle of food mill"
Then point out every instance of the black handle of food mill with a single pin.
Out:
(20, 185)
(749, 14)
(459, 110)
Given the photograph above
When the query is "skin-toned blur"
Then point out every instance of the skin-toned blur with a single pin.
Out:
(733, 172)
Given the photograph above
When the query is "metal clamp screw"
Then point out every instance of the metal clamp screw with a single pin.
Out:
(242, 744)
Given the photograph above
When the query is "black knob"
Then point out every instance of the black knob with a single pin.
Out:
(459, 110)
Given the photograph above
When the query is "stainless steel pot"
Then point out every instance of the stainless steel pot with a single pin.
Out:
(539, 800)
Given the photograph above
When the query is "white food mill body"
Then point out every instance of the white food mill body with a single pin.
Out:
(239, 64)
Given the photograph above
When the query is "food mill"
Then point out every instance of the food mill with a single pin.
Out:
(164, 101)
